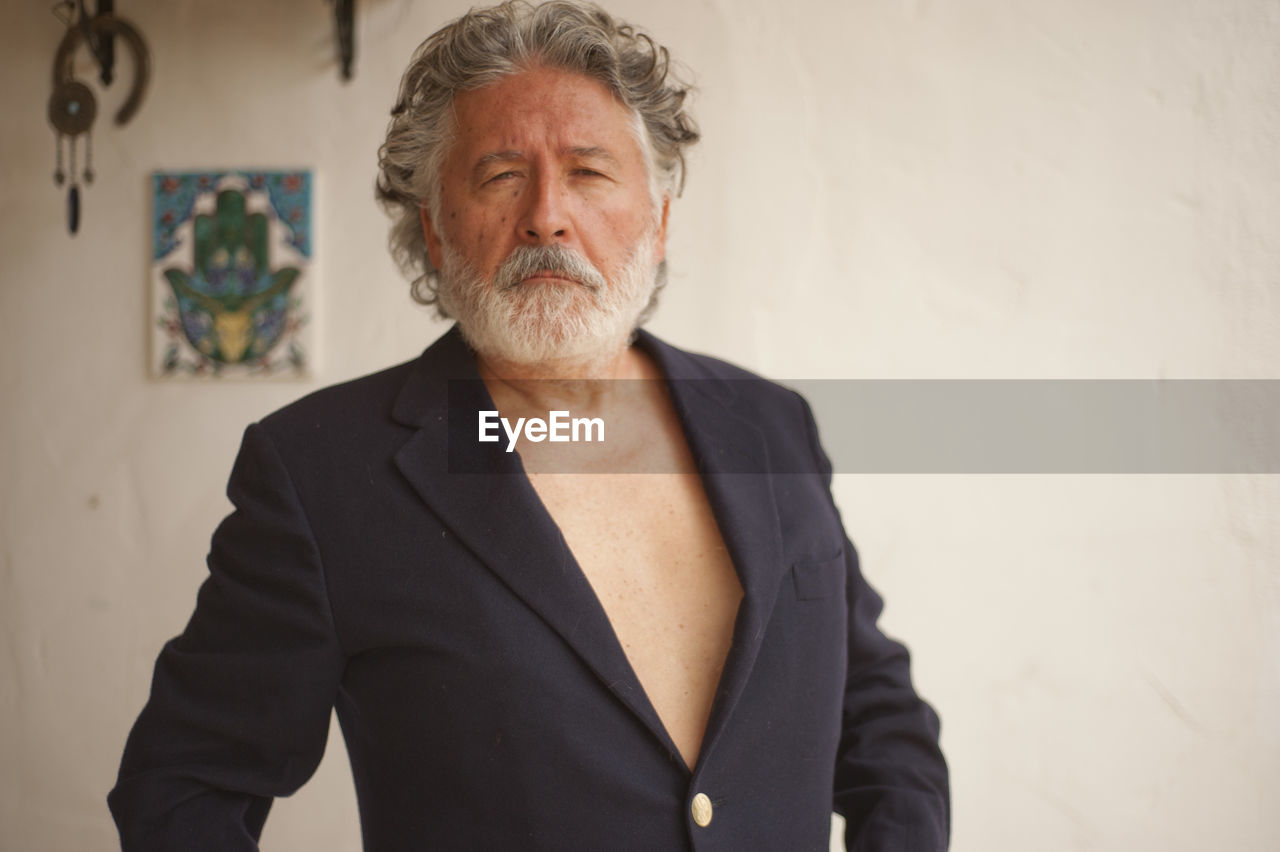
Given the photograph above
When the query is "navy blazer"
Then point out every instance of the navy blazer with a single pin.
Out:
(485, 700)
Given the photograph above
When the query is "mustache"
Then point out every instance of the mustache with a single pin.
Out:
(526, 261)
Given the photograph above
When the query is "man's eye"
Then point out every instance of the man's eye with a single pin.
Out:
(588, 172)
(502, 176)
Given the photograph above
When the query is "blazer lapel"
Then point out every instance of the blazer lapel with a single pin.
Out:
(734, 463)
(482, 494)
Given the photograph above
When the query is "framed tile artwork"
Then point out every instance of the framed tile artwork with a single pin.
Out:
(231, 274)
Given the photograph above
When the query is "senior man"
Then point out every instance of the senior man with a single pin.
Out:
(539, 649)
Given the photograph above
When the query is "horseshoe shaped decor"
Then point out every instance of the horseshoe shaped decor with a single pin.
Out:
(99, 27)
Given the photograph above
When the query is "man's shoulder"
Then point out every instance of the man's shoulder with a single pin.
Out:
(779, 414)
(390, 395)
(369, 397)
(682, 365)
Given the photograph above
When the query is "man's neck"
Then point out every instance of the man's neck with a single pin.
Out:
(587, 387)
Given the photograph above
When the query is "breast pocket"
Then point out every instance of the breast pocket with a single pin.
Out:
(816, 579)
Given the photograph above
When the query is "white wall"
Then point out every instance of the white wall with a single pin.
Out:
(887, 189)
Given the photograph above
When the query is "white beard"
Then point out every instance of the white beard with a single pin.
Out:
(544, 323)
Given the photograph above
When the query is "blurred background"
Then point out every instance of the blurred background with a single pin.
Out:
(887, 189)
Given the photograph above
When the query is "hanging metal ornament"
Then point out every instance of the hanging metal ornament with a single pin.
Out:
(72, 106)
(344, 20)
(72, 109)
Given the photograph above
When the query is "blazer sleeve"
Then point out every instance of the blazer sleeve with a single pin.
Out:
(891, 780)
(240, 702)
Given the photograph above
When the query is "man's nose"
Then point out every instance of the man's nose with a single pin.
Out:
(545, 217)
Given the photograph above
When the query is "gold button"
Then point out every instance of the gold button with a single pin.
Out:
(701, 810)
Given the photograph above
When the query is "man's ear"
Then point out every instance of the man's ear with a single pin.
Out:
(434, 250)
(660, 250)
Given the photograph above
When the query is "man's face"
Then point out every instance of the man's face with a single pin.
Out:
(547, 238)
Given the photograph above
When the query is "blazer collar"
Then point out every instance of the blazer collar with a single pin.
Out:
(733, 459)
(501, 519)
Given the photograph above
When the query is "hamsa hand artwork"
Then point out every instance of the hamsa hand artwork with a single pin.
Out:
(230, 277)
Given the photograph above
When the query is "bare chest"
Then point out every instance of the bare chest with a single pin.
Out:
(651, 549)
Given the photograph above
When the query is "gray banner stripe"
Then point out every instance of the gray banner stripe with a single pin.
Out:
(1026, 426)
(969, 426)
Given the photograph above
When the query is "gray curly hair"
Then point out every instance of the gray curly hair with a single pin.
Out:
(487, 44)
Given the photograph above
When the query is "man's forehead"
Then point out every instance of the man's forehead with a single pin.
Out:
(542, 100)
(578, 152)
